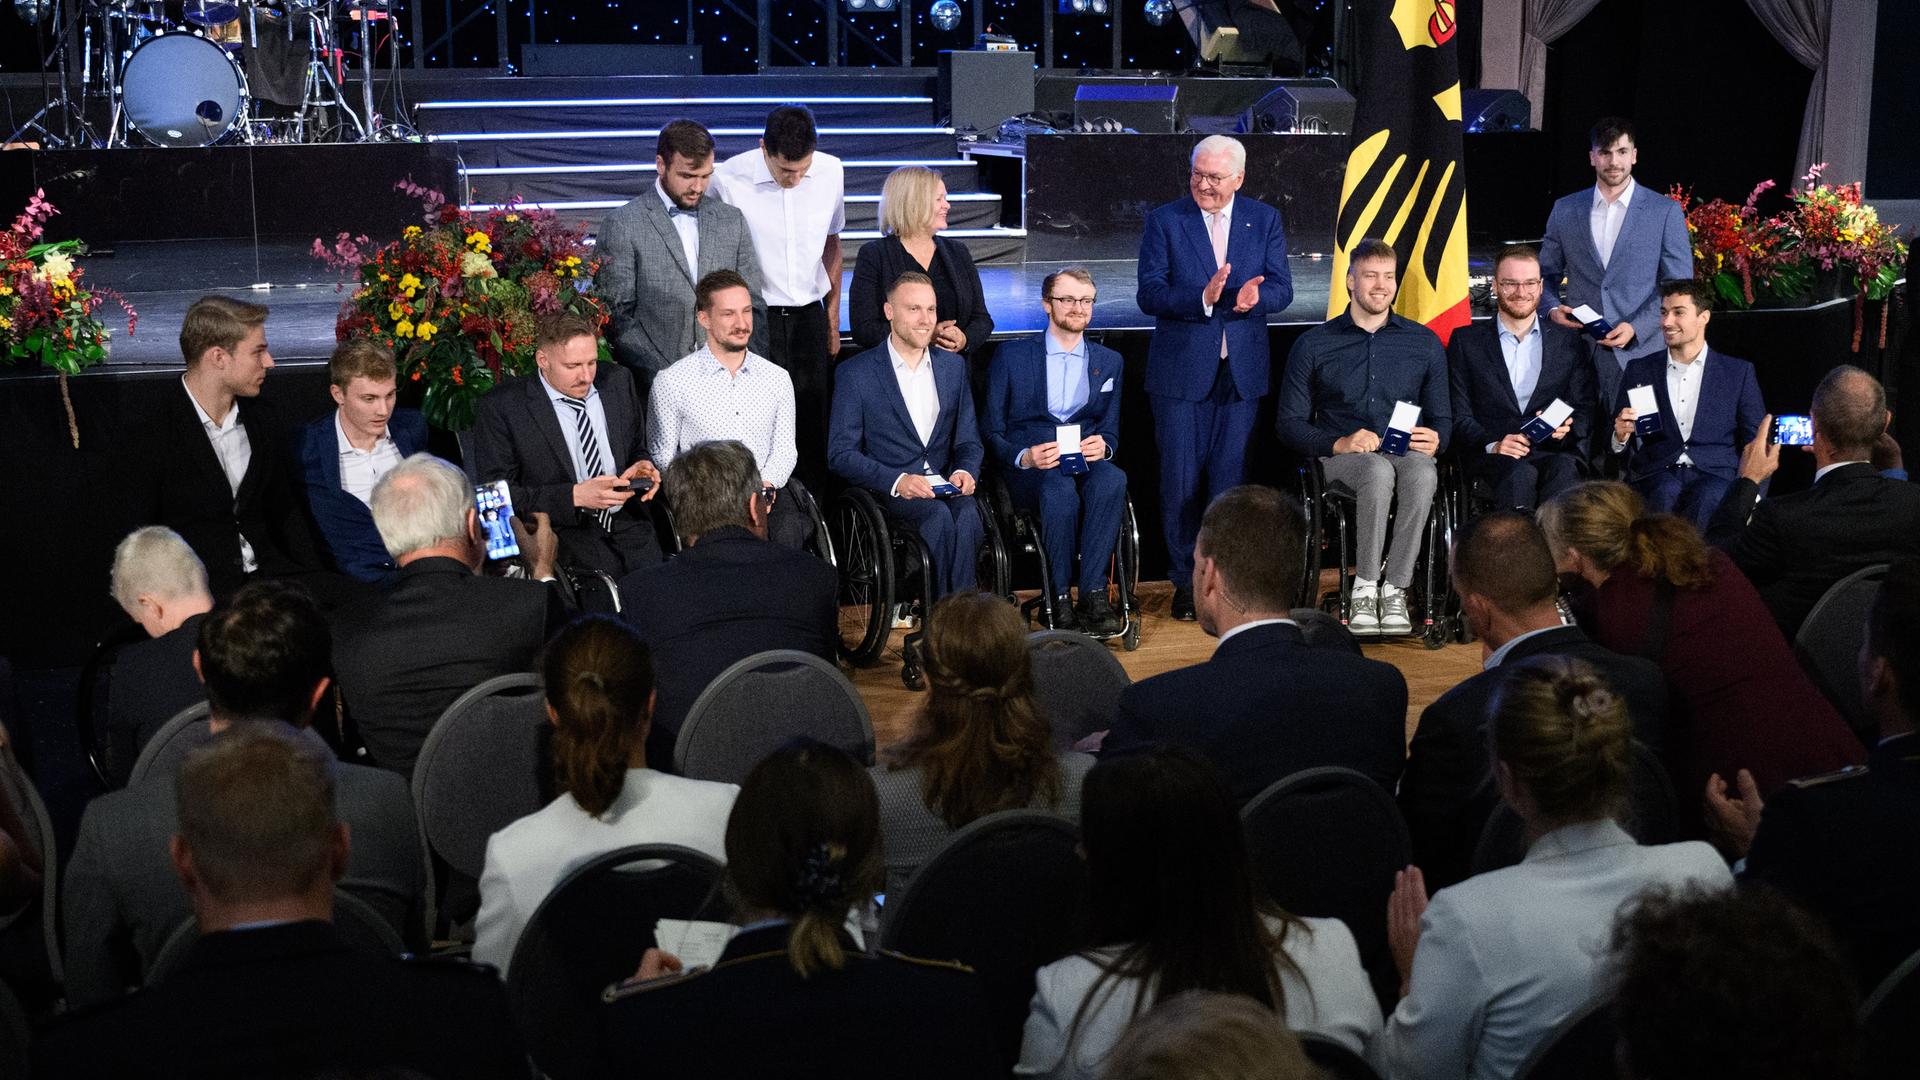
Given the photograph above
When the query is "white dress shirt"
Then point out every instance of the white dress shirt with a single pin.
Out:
(921, 394)
(228, 437)
(696, 399)
(1245, 626)
(361, 469)
(1825, 469)
(1606, 219)
(1683, 393)
(688, 226)
(569, 430)
(789, 226)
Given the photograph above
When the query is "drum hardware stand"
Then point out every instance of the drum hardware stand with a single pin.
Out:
(75, 129)
(320, 80)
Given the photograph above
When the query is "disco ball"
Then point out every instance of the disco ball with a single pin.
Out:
(32, 10)
(857, 5)
(1159, 11)
(944, 14)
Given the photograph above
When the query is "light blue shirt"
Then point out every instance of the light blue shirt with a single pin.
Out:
(570, 430)
(1500, 654)
(1523, 359)
(1066, 377)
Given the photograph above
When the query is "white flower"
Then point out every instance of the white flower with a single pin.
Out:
(55, 266)
(475, 264)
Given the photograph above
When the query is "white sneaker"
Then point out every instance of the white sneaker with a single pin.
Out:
(1363, 618)
(1393, 611)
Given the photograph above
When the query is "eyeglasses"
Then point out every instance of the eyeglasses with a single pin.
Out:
(1528, 285)
(769, 493)
(1214, 179)
(1072, 301)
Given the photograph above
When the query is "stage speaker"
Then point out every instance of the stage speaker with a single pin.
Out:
(1145, 107)
(1495, 110)
(978, 88)
(538, 60)
(1301, 108)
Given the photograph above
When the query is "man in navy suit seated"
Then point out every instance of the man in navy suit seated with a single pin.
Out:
(1036, 385)
(1266, 704)
(903, 426)
(1509, 369)
(1709, 406)
(345, 453)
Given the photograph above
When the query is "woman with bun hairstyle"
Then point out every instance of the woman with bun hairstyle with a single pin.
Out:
(599, 690)
(1490, 966)
(792, 994)
(1650, 586)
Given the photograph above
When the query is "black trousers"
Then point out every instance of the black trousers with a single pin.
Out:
(797, 341)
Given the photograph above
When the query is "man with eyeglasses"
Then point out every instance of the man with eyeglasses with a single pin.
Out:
(1506, 371)
(1212, 268)
(1036, 386)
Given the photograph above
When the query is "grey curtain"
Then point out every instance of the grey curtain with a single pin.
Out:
(1514, 35)
(1835, 39)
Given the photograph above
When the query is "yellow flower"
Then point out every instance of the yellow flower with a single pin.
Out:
(425, 331)
(5, 323)
(409, 284)
(403, 329)
(396, 312)
(478, 241)
(513, 217)
(6, 290)
(410, 231)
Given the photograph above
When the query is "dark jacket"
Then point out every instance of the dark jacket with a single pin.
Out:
(344, 523)
(1484, 407)
(720, 601)
(881, 261)
(1016, 407)
(872, 439)
(1176, 262)
(152, 680)
(1448, 789)
(1724, 421)
(1267, 705)
(292, 999)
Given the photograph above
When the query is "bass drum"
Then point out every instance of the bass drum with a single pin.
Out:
(180, 89)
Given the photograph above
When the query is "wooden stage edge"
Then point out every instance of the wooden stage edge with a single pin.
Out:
(1164, 646)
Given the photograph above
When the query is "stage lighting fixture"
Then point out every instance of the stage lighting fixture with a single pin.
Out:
(944, 14)
(32, 11)
(858, 6)
(1159, 11)
(1083, 7)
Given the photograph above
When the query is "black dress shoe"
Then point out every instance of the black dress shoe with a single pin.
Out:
(1063, 614)
(1097, 617)
(1183, 604)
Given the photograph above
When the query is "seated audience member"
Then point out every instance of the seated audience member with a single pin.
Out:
(1208, 1035)
(570, 440)
(599, 682)
(1492, 965)
(263, 655)
(1034, 385)
(1259, 708)
(270, 988)
(726, 391)
(1655, 589)
(1174, 907)
(913, 213)
(209, 462)
(792, 995)
(1844, 844)
(1736, 983)
(160, 583)
(901, 454)
(1506, 371)
(1710, 407)
(978, 746)
(1794, 548)
(730, 594)
(1504, 575)
(345, 453)
(439, 627)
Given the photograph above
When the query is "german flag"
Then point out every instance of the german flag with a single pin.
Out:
(1405, 182)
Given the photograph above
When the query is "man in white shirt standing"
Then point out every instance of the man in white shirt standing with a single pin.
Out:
(794, 199)
(345, 453)
(723, 390)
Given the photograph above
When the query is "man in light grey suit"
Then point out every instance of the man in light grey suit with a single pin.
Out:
(659, 245)
(1614, 243)
(264, 656)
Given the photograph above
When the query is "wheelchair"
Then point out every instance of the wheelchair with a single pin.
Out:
(883, 561)
(1328, 512)
(1021, 531)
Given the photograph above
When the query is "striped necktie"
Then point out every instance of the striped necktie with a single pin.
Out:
(589, 450)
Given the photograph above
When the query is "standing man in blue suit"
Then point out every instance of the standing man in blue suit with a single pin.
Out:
(346, 452)
(1509, 369)
(1710, 407)
(1614, 243)
(1035, 385)
(1212, 268)
(903, 426)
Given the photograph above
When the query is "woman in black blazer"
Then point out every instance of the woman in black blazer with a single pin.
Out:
(913, 209)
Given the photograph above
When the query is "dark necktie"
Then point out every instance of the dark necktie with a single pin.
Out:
(589, 450)
(674, 212)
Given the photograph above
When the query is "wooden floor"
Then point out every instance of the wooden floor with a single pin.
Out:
(1165, 645)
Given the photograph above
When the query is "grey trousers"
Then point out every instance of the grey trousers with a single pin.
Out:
(1378, 481)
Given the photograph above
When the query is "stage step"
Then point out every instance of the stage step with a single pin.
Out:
(620, 181)
(972, 210)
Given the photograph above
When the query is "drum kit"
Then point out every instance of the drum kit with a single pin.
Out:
(189, 73)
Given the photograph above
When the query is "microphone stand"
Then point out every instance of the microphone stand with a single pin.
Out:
(74, 120)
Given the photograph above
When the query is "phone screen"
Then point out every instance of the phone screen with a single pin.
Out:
(495, 507)
(1793, 430)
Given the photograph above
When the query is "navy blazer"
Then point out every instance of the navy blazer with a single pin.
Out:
(1267, 705)
(346, 524)
(1485, 409)
(1176, 261)
(872, 439)
(1652, 247)
(1017, 415)
(1723, 423)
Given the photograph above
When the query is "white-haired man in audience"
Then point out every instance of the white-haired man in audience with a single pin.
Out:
(161, 584)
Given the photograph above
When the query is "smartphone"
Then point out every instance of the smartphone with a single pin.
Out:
(1793, 430)
(495, 507)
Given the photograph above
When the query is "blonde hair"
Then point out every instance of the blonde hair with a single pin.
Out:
(907, 200)
(361, 358)
(1209, 1035)
(1607, 522)
(1565, 736)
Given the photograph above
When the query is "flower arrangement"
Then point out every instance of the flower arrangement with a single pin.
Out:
(457, 297)
(1836, 229)
(46, 308)
(1739, 252)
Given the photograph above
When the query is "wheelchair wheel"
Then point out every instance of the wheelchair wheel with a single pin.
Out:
(865, 566)
(996, 566)
(1127, 576)
(819, 539)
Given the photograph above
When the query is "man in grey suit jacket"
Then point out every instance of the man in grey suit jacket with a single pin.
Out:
(264, 656)
(1615, 243)
(655, 248)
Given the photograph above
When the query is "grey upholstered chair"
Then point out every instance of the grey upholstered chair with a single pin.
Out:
(762, 702)
(1076, 683)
